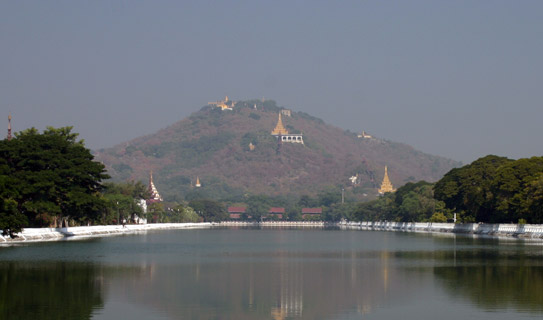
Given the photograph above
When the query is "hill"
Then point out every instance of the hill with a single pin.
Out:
(233, 154)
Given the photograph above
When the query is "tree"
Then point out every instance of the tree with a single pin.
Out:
(494, 189)
(413, 202)
(515, 187)
(534, 203)
(329, 197)
(122, 201)
(186, 214)
(209, 210)
(468, 190)
(258, 206)
(51, 178)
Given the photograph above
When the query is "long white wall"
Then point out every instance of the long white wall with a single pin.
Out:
(527, 230)
(51, 234)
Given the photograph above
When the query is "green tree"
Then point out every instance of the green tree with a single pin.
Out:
(513, 190)
(494, 189)
(258, 206)
(534, 203)
(187, 214)
(209, 210)
(468, 190)
(413, 202)
(52, 178)
(329, 197)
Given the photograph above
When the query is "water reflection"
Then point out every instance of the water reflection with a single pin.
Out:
(495, 287)
(49, 290)
(257, 274)
(282, 288)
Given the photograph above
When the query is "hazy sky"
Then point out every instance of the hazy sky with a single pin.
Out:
(461, 79)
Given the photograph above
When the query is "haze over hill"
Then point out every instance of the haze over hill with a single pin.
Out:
(233, 153)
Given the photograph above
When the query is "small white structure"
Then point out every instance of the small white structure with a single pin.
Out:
(286, 112)
(354, 180)
(142, 203)
(365, 135)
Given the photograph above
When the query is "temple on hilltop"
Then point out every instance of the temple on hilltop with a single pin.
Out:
(198, 184)
(365, 135)
(282, 134)
(386, 186)
(155, 196)
(225, 104)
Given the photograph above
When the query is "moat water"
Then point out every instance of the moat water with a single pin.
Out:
(249, 273)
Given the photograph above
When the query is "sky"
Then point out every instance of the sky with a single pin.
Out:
(459, 79)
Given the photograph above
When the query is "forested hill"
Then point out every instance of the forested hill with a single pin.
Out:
(233, 154)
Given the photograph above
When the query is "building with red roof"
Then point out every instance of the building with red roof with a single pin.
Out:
(236, 212)
(277, 212)
(311, 212)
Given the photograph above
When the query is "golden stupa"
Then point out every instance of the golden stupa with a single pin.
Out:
(386, 186)
(279, 128)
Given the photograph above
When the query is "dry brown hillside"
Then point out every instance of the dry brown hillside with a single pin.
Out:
(214, 145)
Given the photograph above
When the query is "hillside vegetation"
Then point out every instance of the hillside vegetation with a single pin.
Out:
(491, 189)
(214, 145)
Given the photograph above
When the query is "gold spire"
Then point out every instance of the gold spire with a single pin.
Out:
(225, 104)
(198, 185)
(386, 186)
(279, 129)
(155, 196)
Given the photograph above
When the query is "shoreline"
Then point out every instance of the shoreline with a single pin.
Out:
(29, 235)
(33, 235)
(509, 230)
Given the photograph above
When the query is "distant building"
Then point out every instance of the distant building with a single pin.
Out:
(365, 135)
(225, 104)
(277, 212)
(355, 180)
(155, 196)
(311, 212)
(282, 134)
(198, 184)
(286, 112)
(386, 186)
(236, 212)
(137, 219)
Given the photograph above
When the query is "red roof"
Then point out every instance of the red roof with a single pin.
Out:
(311, 210)
(277, 210)
(236, 209)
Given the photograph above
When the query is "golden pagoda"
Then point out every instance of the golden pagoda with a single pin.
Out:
(155, 196)
(198, 185)
(386, 186)
(279, 128)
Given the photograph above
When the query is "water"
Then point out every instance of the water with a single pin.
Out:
(273, 274)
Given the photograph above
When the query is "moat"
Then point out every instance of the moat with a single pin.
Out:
(277, 273)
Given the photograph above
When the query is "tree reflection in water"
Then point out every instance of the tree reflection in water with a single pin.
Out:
(59, 290)
(495, 287)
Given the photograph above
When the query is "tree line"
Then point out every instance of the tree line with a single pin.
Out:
(50, 179)
(491, 189)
